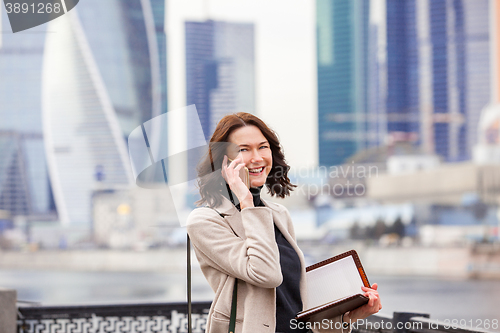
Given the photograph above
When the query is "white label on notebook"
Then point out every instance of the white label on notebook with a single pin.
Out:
(333, 281)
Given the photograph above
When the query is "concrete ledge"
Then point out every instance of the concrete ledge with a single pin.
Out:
(8, 310)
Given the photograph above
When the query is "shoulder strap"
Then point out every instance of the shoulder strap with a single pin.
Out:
(190, 326)
(232, 319)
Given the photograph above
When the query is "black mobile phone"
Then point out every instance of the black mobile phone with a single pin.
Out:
(244, 174)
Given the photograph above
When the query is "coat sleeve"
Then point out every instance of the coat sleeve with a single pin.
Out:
(254, 260)
(334, 325)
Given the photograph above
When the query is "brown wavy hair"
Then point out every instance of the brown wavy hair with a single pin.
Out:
(212, 184)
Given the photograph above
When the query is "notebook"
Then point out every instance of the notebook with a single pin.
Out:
(334, 287)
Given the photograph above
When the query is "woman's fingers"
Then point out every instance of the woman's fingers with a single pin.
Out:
(239, 166)
(368, 288)
(373, 287)
(371, 300)
(372, 306)
(374, 299)
(229, 170)
(224, 167)
(231, 173)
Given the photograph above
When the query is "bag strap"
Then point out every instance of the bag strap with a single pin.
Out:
(232, 319)
(190, 325)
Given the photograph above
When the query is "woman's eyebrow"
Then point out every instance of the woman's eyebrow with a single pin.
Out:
(247, 145)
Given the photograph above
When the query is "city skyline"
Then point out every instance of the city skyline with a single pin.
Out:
(426, 84)
(87, 86)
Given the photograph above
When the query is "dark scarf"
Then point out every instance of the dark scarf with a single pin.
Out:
(255, 194)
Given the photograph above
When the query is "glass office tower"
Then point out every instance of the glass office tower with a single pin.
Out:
(428, 87)
(220, 73)
(437, 72)
(343, 110)
(402, 67)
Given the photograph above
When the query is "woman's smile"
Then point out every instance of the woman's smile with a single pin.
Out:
(256, 172)
(255, 152)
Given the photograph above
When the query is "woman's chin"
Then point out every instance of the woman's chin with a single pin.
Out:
(256, 183)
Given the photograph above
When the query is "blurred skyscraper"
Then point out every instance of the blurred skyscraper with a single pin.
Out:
(24, 184)
(220, 73)
(82, 88)
(127, 41)
(487, 150)
(437, 72)
(402, 104)
(343, 111)
(428, 88)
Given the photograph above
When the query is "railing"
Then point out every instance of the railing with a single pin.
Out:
(172, 318)
(164, 318)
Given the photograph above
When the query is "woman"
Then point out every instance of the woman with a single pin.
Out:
(252, 241)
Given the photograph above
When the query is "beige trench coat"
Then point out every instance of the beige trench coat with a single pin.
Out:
(242, 245)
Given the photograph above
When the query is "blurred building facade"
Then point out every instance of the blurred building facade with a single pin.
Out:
(487, 150)
(428, 87)
(133, 217)
(343, 111)
(220, 73)
(24, 182)
(86, 88)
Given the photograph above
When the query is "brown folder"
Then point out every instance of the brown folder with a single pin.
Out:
(334, 287)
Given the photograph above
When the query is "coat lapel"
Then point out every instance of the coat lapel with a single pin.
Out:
(232, 217)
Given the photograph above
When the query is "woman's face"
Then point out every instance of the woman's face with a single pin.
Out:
(255, 151)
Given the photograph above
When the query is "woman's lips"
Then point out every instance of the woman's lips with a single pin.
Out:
(256, 173)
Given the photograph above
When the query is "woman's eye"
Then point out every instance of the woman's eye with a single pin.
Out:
(242, 149)
(263, 147)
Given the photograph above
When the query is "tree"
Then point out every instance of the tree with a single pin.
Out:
(398, 228)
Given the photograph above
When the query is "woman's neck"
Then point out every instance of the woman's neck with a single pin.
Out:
(255, 194)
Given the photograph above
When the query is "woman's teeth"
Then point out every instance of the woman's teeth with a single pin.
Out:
(256, 170)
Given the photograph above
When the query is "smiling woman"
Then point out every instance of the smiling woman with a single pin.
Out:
(244, 136)
(254, 153)
(247, 250)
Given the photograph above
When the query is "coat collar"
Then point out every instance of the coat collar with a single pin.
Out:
(233, 217)
(227, 208)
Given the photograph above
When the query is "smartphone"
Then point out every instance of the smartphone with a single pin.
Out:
(244, 174)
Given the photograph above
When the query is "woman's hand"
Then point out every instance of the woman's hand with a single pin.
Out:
(231, 174)
(373, 306)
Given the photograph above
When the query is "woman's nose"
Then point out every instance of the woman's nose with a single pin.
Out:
(255, 157)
